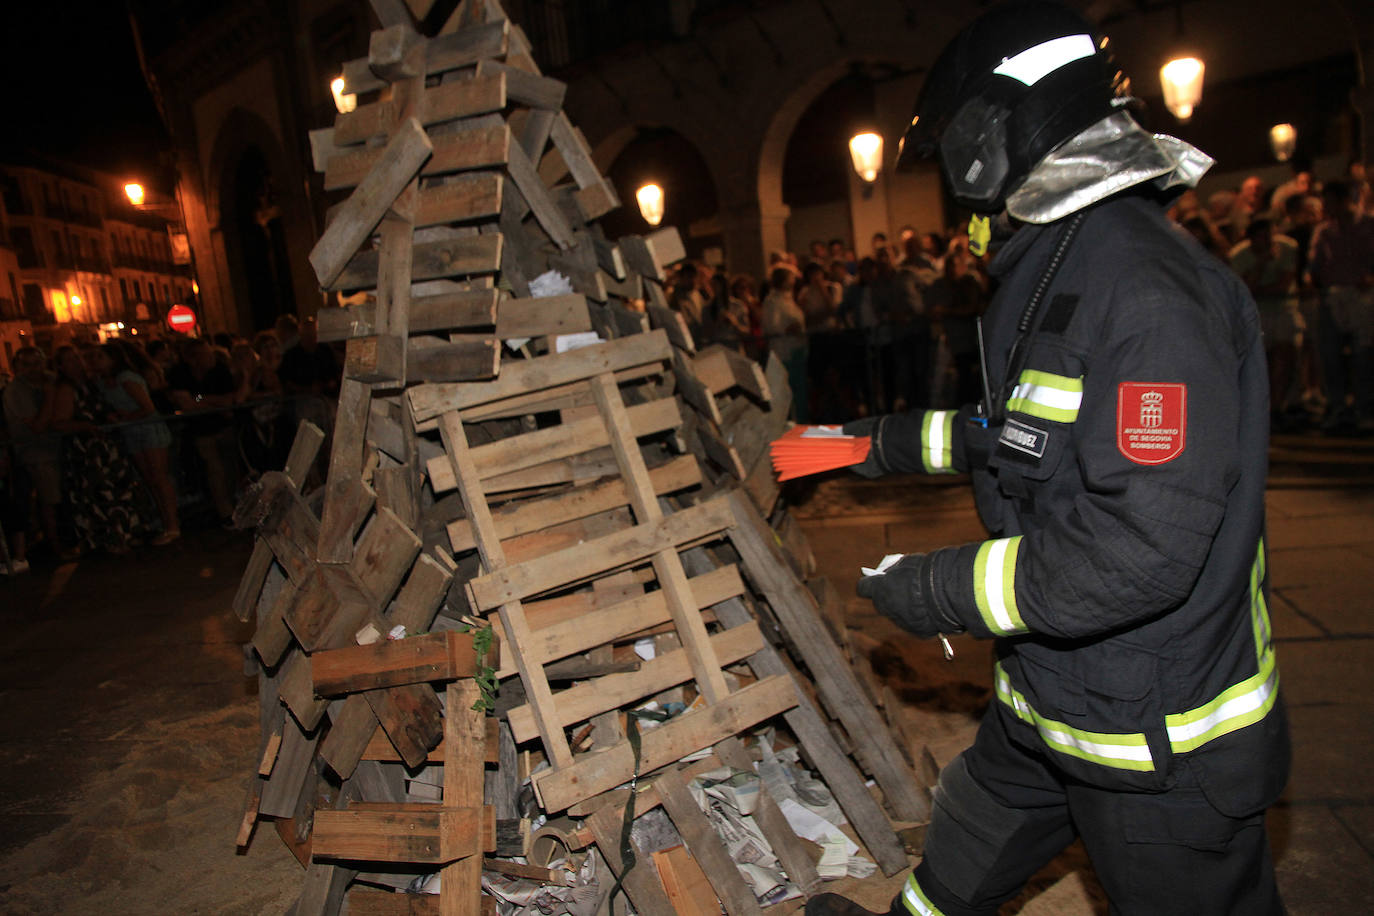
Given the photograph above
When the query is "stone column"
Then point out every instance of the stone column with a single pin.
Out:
(752, 231)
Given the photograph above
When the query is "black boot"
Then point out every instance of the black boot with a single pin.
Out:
(835, 905)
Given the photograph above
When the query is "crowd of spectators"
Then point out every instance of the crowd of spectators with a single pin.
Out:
(869, 334)
(104, 446)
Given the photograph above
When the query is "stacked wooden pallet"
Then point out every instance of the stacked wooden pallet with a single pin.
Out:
(559, 501)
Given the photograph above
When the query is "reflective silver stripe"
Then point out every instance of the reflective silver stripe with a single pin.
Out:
(1232, 712)
(1124, 752)
(937, 435)
(1035, 63)
(994, 585)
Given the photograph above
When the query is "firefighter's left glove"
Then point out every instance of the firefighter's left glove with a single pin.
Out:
(905, 592)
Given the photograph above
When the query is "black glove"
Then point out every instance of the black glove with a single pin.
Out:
(872, 466)
(906, 595)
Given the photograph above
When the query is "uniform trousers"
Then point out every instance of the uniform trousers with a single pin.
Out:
(1002, 811)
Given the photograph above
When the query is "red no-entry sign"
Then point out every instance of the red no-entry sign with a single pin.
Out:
(181, 318)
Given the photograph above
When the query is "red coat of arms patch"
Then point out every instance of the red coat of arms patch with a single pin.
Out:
(1151, 421)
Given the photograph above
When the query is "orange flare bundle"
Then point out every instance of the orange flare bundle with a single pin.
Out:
(804, 450)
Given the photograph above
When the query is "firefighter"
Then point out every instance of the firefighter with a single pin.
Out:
(1118, 459)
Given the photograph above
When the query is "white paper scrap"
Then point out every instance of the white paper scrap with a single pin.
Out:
(815, 828)
(550, 283)
(884, 566)
(825, 432)
(644, 648)
(565, 342)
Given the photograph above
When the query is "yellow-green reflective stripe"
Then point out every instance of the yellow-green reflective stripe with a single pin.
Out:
(1122, 752)
(937, 441)
(994, 585)
(916, 900)
(1259, 608)
(1048, 396)
(1244, 704)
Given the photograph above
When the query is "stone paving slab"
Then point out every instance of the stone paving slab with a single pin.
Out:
(1321, 869)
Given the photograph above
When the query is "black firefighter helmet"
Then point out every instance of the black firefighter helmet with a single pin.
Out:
(1022, 79)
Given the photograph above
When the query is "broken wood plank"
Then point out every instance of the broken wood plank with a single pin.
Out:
(345, 506)
(685, 883)
(547, 316)
(719, 368)
(460, 199)
(641, 882)
(461, 360)
(352, 725)
(465, 736)
(451, 51)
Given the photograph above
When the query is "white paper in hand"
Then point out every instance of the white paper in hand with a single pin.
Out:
(884, 566)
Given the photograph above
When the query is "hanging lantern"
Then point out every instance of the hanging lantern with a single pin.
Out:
(344, 103)
(1181, 79)
(866, 149)
(650, 197)
(1283, 140)
(134, 191)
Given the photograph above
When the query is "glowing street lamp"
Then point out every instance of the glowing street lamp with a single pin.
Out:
(1181, 80)
(134, 191)
(866, 149)
(1283, 140)
(650, 197)
(343, 102)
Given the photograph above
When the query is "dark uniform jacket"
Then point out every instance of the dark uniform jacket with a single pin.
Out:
(1122, 477)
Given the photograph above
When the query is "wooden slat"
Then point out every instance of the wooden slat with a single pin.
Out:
(444, 102)
(528, 450)
(700, 837)
(343, 513)
(595, 773)
(392, 662)
(469, 309)
(685, 883)
(384, 555)
(466, 360)
(457, 147)
(614, 551)
(423, 594)
(790, 849)
(546, 316)
(796, 610)
(535, 514)
(460, 199)
(524, 88)
(512, 614)
(462, 48)
(380, 748)
(352, 725)
(581, 702)
(584, 629)
(428, 401)
(455, 257)
(641, 882)
(465, 736)
(672, 579)
(719, 368)
(327, 609)
(536, 194)
(398, 164)
(434, 836)
(813, 733)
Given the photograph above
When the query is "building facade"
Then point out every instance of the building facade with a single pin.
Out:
(78, 254)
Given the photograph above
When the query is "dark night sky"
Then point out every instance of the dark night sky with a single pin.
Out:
(75, 91)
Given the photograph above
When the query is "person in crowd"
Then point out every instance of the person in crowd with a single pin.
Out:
(204, 388)
(1342, 269)
(145, 436)
(243, 365)
(818, 252)
(955, 299)
(687, 299)
(784, 330)
(727, 315)
(1268, 263)
(102, 489)
(37, 452)
(840, 276)
(1119, 466)
(900, 304)
(744, 289)
(817, 297)
(1249, 204)
(880, 248)
(1301, 184)
(266, 380)
(1361, 191)
(309, 372)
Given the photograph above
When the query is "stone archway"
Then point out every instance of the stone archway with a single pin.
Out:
(251, 207)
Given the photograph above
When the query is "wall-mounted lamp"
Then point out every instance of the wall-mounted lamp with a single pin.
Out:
(650, 197)
(866, 149)
(134, 191)
(1181, 80)
(1283, 140)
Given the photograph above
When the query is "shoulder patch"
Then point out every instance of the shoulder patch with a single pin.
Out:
(1151, 421)
(1024, 438)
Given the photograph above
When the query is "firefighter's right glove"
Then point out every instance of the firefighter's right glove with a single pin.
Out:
(905, 593)
(872, 466)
